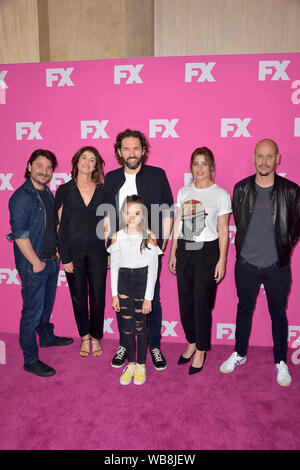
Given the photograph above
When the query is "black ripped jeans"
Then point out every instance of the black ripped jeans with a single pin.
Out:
(131, 289)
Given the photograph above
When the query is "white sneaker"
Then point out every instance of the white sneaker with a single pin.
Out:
(232, 362)
(283, 375)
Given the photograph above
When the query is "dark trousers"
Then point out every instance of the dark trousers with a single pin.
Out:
(132, 285)
(197, 292)
(276, 281)
(154, 317)
(38, 294)
(87, 288)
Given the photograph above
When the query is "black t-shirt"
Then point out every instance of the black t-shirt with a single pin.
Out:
(78, 225)
(50, 238)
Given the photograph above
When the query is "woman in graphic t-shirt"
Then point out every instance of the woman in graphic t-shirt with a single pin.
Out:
(198, 253)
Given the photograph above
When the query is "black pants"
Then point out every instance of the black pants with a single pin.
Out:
(87, 288)
(132, 285)
(154, 320)
(276, 281)
(197, 291)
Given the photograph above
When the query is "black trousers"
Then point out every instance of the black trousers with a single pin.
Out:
(276, 281)
(131, 289)
(87, 288)
(197, 291)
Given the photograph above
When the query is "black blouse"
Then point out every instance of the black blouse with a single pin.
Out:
(77, 230)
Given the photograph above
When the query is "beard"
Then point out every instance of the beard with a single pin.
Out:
(41, 179)
(133, 163)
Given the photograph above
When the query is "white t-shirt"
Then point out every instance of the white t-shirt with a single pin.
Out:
(199, 211)
(128, 188)
(125, 253)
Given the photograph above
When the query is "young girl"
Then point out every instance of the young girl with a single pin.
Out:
(134, 262)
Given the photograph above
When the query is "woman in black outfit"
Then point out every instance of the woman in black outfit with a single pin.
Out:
(82, 252)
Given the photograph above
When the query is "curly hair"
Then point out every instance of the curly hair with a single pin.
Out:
(131, 133)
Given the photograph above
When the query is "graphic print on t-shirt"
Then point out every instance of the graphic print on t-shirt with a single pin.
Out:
(193, 219)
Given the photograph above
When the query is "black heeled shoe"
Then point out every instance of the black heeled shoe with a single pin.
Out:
(185, 360)
(195, 370)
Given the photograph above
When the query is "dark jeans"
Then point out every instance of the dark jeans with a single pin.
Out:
(154, 317)
(38, 293)
(132, 285)
(276, 281)
(87, 286)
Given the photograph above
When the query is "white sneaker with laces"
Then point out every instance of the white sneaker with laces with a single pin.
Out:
(232, 362)
(283, 376)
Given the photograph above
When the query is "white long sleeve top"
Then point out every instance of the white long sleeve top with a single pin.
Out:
(125, 253)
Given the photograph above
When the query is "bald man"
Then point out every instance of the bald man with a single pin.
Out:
(266, 209)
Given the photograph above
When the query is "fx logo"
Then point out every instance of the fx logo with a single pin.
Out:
(88, 127)
(3, 86)
(28, 128)
(266, 67)
(169, 328)
(187, 179)
(9, 276)
(297, 127)
(232, 232)
(163, 125)
(2, 352)
(128, 72)
(60, 75)
(230, 124)
(58, 179)
(106, 327)
(294, 332)
(62, 278)
(193, 70)
(5, 181)
(227, 329)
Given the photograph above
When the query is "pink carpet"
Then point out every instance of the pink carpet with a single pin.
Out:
(84, 407)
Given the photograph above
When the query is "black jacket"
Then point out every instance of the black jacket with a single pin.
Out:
(152, 185)
(285, 203)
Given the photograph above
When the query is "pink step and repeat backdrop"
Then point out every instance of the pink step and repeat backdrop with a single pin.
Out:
(226, 103)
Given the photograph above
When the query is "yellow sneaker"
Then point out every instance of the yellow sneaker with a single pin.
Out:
(140, 374)
(128, 373)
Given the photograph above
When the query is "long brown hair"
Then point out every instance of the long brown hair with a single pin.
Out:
(144, 221)
(98, 173)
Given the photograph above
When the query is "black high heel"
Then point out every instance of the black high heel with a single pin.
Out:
(195, 370)
(185, 360)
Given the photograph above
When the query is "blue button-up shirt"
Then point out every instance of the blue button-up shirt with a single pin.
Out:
(27, 220)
